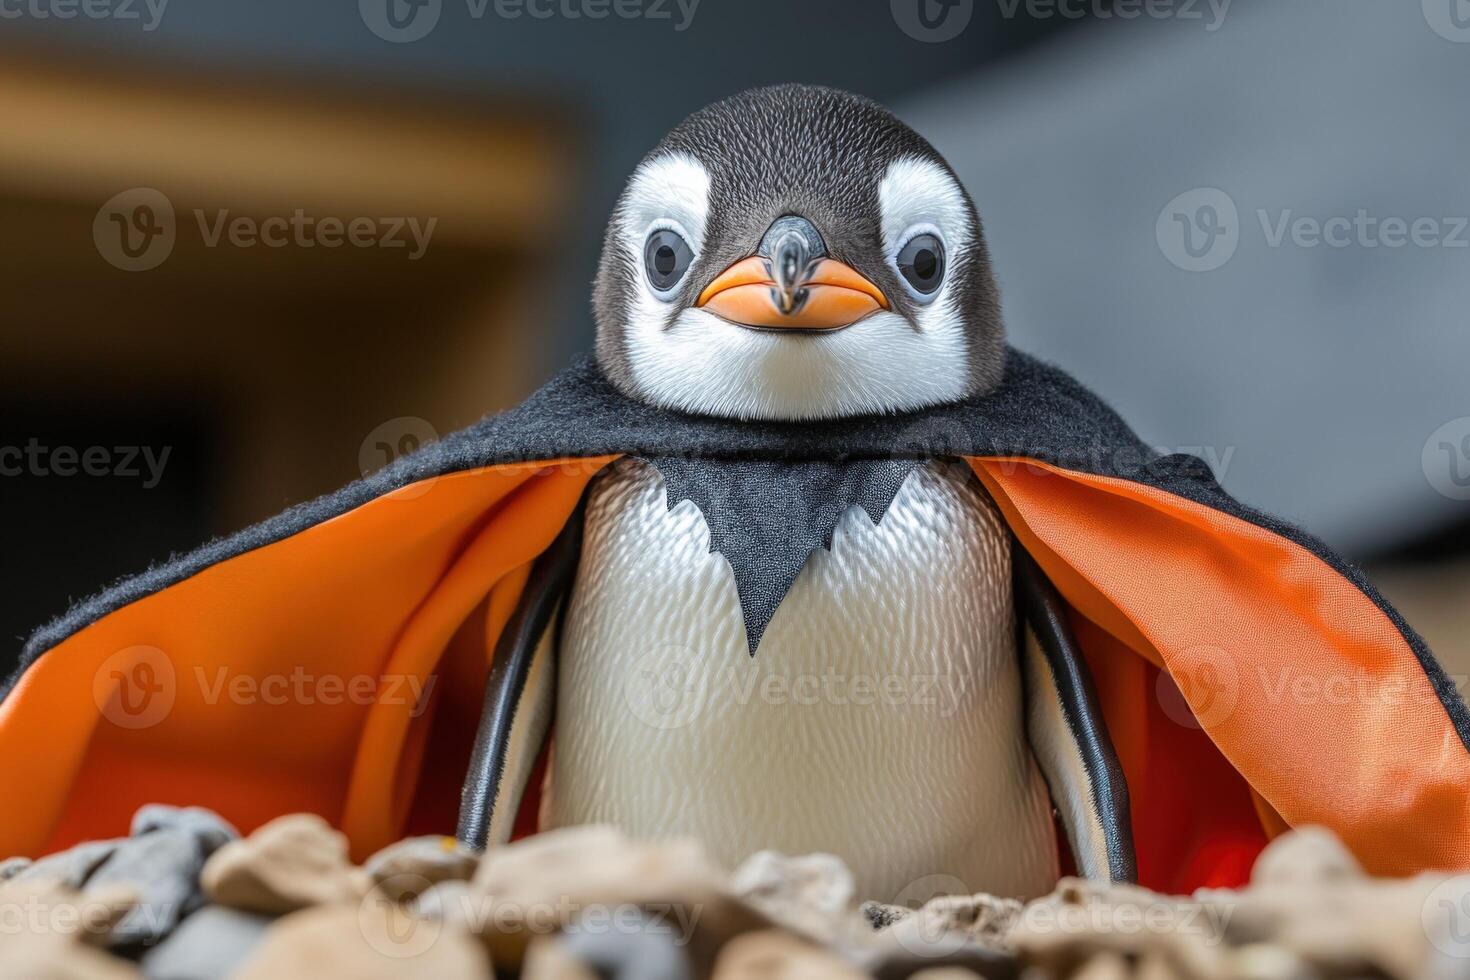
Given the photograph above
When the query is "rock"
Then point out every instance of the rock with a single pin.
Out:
(809, 894)
(548, 959)
(546, 882)
(881, 916)
(409, 867)
(1104, 966)
(210, 943)
(962, 932)
(291, 863)
(51, 932)
(775, 955)
(1310, 900)
(1262, 961)
(71, 867)
(162, 862)
(207, 827)
(951, 973)
(450, 902)
(164, 868)
(52, 957)
(1309, 856)
(637, 950)
(47, 906)
(373, 940)
(910, 945)
(11, 867)
(1082, 920)
(985, 919)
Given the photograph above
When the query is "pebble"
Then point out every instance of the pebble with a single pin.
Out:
(208, 944)
(405, 869)
(291, 863)
(811, 894)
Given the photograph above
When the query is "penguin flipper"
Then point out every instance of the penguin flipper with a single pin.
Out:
(1068, 735)
(519, 698)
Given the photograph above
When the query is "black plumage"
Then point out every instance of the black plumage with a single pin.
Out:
(768, 516)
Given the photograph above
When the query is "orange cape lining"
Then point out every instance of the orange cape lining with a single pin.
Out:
(338, 671)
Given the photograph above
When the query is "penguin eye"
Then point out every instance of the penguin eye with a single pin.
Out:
(666, 256)
(921, 263)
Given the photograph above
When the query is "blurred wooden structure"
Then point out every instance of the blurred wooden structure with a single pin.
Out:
(1435, 598)
(293, 354)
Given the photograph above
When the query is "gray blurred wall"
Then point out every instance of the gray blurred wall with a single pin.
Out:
(1313, 376)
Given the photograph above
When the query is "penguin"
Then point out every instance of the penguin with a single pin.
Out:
(851, 680)
(803, 557)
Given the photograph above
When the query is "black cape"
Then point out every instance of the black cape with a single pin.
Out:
(409, 575)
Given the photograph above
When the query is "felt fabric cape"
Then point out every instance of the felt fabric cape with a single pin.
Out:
(332, 659)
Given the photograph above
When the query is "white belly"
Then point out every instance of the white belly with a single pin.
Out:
(881, 719)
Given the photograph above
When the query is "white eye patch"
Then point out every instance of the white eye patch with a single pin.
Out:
(915, 193)
(671, 191)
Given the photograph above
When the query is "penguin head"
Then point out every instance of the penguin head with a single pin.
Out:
(796, 253)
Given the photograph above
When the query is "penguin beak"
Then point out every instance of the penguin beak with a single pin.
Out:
(823, 295)
(791, 284)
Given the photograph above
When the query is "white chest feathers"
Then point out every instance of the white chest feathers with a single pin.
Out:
(881, 719)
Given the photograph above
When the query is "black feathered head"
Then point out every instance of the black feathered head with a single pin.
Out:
(797, 252)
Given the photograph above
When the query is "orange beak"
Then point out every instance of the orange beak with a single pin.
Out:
(833, 295)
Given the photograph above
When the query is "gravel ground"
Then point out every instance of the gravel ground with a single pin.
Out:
(185, 897)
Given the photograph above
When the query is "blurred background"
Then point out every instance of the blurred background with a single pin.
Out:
(249, 252)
